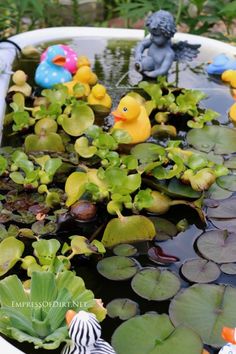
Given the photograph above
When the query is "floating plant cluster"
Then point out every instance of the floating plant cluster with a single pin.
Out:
(64, 168)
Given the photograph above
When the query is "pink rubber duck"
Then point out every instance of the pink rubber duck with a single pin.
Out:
(71, 58)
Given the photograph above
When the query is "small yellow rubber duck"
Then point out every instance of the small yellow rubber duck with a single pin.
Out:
(230, 77)
(99, 96)
(83, 61)
(19, 78)
(232, 114)
(85, 75)
(132, 117)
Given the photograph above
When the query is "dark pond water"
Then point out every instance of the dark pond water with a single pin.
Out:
(113, 62)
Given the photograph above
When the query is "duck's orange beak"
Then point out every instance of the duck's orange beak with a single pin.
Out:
(228, 334)
(59, 60)
(118, 116)
(69, 317)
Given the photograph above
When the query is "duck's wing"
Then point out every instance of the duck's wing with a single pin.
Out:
(185, 51)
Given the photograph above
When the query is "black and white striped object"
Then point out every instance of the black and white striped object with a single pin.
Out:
(85, 333)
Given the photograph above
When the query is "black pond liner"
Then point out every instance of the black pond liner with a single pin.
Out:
(119, 54)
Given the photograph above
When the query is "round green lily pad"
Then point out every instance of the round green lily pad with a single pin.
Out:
(153, 284)
(165, 229)
(228, 268)
(125, 250)
(122, 308)
(200, 270)
(215, 192)
(153, 333)
(219, 139)
(218, 246)
(227, 182)
(117, 267)
(206, 308)
(225, 210)
(147, 152)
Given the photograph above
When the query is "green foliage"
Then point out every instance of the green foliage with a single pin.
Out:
(43, 326)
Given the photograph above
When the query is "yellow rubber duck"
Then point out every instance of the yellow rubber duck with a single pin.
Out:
(232, 113)
(19, 78)
(132, 117)
(83, 61)
(85, 75)
(230, 77)
(99, 96)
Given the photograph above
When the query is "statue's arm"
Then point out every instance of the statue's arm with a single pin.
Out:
(141, 47)
(163, 69)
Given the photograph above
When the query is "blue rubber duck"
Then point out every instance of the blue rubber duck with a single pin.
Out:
(51, 71)
(220, 64)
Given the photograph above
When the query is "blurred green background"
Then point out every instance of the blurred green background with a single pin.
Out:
(212, 18)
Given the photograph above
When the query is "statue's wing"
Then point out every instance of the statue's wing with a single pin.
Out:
(185, 51)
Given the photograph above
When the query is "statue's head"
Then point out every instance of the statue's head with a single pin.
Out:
(161, 23)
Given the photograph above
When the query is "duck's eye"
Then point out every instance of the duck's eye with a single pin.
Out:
(125, 109)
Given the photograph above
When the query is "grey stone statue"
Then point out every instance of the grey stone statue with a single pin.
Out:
(155, 54)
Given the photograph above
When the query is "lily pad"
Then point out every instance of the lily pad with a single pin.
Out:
(157, 255)
(206, 308)
(200, 270)
(147, 152)
(231, 163)
(225, 224)
(228, 268)
(215, 192)
(152, 334)
(75, 187)
(165, 229)
(125, 250)
(220, 139)
(122, 308)
(227, 182)
(81, 118)
(153, 284)
(117, 267)
(11, 250)
(128, 229)
(218, 246)
(225, 210)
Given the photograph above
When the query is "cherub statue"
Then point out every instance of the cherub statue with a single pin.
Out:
(161, 52)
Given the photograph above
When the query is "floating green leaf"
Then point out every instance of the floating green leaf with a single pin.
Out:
(226, 209)
(218, 246)
(122, 308)
(160, 337)
(153, 284)
(81, 118)
(83, 149)
(206, 308)
(227, 182)
(200, 270)
(49, 142)
(125, 250)
(11, 250)
(128, 229)
(117, 267)
(45, 250)
(147, 152)
(228, 268)
(75, 187)
(165, 229)
(220, 139)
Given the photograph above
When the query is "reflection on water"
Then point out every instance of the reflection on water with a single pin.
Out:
(113, 62)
